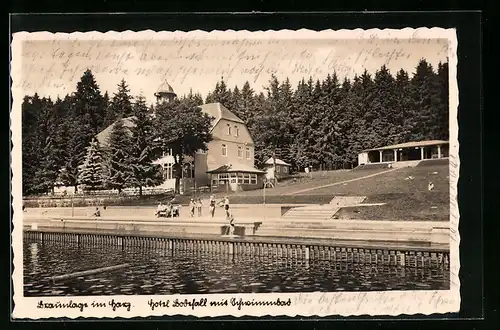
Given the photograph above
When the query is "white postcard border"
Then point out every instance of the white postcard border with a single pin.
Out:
(301, 304)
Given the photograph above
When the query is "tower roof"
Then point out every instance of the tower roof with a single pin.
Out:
(165, 88)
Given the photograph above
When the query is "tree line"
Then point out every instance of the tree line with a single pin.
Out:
(60, 147)
(324, 124)
(321, 123)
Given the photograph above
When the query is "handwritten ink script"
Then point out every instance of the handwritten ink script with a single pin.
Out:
(56, 65)
(238, 303)
(112, 304)
(155, 304)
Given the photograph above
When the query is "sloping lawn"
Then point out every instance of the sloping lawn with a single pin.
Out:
(314, 180)
(406, 199)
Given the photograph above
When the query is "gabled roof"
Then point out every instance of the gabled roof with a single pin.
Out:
(216, 110)
(411, 145)
(219, 111)
(103, 136)
(278, 162)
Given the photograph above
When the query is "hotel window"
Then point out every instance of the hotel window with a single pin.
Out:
(167, 171)
(240, 152)
(246, 178)
(224, 150)
(167, 152)
(223, 178)
(247, 152)
(253, 178)
(285, 169)
(228, 129)
(236, 131)
(234, 177)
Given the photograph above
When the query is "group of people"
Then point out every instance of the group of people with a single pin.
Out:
(195, 209)
(167, 210)
(195, 206)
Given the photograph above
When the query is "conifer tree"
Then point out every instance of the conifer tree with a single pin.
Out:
(119, 168)
(247, 103)
(426, 101)
(52, 146)
(404, 116)
(91, 171)
(143, 172)
(220, 94)
(30, 142)
(385, 130)
(121, 103)
(89, 103)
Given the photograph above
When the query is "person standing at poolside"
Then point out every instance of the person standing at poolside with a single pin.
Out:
(212, 205)
(192, 206)
(199, 205)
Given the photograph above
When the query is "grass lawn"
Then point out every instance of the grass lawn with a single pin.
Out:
(405, 199)
(310, 181)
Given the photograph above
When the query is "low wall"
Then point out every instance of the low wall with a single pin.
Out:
(423, 233)
(245, 211)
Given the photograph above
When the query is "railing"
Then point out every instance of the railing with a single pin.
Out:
(234, 248)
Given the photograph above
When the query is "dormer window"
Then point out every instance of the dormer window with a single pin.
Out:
(236, 131)
(228, 129)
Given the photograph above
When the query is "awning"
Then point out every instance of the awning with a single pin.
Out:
(235, 168)
(415, 144)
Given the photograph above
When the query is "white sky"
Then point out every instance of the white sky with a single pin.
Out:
(53, 67)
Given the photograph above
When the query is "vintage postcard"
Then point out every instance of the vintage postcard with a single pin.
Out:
(269, 173)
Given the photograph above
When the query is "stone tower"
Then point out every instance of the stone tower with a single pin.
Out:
(165, 93)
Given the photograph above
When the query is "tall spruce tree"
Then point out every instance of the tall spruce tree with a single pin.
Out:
(80, 133)
(345, 123)
(327, 142)
(109, 117)
(92, 172)
(425, 97)
(221, 94)
(30, 146)
(89, 103)
(119, 168)
(247, 104)
(303, 104)
(143, 172)
(404, 118)
(383, 107)
(52, 146)
(121, 103)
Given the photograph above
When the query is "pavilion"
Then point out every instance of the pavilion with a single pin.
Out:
(408, 151)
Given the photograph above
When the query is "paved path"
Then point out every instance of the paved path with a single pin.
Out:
(338, 183)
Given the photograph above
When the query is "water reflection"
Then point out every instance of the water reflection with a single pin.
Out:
(158, 272)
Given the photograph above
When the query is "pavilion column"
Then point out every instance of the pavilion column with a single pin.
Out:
(422, 153)
(381, 159)
(395, 155)
(439, 151)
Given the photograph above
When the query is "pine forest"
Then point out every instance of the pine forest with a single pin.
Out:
(323, 124)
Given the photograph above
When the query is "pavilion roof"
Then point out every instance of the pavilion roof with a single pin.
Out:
(235, 168)
(414, 144)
